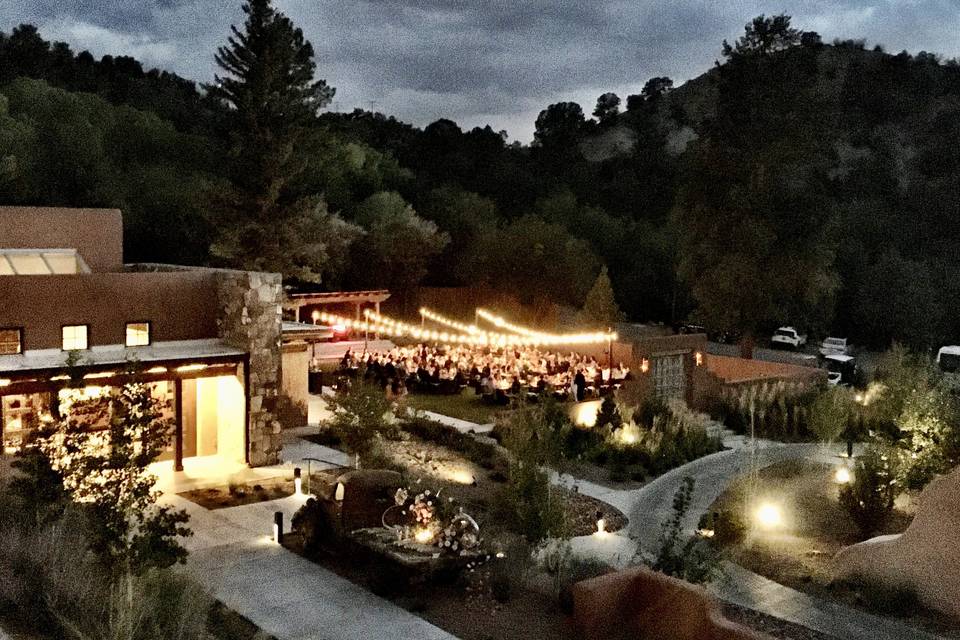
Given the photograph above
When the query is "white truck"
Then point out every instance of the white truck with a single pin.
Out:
(834, 346)
(788, 337)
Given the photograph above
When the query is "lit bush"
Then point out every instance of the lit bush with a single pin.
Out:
(869, 498)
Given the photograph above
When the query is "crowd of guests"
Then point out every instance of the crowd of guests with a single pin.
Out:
(496, 374)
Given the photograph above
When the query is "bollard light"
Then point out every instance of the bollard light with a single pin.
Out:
(297, 481)
(277, 526)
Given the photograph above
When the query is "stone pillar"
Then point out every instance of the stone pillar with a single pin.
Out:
(250, 319)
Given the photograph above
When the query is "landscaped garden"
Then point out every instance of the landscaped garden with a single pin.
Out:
(425, 486)
(789, 521)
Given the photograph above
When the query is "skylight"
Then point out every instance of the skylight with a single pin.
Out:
(41, 262)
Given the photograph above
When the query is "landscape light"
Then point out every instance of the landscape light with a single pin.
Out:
(463, 476)
(601, 524)
(297, 482)
(277, 526)
(842, 475)
(423, 535)
(769, 516)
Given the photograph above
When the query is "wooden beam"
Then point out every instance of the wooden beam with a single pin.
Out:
(178, 432)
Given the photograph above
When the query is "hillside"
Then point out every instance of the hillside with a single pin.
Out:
(816, 184)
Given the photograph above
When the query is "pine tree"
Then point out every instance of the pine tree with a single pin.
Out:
(263, 223)
(600, 308)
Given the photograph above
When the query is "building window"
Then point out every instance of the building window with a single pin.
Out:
(75, 337)
(11, 341)
(138, 334)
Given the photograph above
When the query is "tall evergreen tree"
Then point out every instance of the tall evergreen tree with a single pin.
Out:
(600, 308)
(263, 223)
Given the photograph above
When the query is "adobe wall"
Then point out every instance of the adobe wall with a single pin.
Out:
(96, 234)
(180, 306)
(925, 558)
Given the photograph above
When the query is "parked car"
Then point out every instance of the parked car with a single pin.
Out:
(832, 346)
(948, 358)
(841, 369)
(788, 337)
(691, 329)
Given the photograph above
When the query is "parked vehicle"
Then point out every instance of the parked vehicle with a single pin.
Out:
(841, 369)
(948, 359)
(831, 346)
(691, 329)
(788, 337)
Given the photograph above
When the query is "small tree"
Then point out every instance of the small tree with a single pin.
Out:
(361, 413)
(106, 471)
(600, 308)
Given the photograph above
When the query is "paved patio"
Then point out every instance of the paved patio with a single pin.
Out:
(234, 558)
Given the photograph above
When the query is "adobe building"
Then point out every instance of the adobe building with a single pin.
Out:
(205, 340)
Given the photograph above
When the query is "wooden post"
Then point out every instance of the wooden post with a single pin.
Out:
(178, 434)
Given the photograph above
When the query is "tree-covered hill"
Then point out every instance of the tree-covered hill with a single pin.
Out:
(793, 182)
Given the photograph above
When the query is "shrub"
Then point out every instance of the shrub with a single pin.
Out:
(484, 454)
(898, 599)
(361, 413)
(694, 559)
(508, 573)
(529, 505)
(566, 568)
(313, 524)
(729, 527)
(868, 499)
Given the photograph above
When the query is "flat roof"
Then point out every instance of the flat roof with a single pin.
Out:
(112, 355)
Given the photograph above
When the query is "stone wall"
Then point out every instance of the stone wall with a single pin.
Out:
(250, 319)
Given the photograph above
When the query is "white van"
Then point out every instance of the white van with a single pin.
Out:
(948, 358)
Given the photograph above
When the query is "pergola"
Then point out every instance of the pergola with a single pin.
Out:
(296, 301)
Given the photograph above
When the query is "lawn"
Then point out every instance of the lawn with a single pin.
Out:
(465, 406)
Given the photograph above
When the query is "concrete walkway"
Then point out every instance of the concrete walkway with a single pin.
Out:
(234, 558)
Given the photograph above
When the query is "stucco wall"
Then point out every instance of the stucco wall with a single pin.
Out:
(96, 234)
(179, 305)
(926, 557)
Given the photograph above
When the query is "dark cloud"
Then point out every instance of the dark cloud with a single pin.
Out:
(485, 61)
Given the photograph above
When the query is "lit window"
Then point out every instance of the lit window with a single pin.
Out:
(74, 337)
(138, 334)
(11, 341)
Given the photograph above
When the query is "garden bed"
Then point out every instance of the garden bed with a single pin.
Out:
(815, 527)
(238, 494)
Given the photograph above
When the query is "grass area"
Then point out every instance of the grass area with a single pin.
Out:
(465, 406)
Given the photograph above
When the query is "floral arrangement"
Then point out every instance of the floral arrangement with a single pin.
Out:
(434, 522)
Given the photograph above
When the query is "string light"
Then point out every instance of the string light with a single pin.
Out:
(547, 338)
(469, 334)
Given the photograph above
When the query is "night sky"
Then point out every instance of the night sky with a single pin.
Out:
(486, 62)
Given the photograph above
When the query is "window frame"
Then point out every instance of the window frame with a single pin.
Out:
(20, 337)
(64, 326)
(126, 327)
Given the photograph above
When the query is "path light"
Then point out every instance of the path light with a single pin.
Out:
(601, 523)
(315, 315)
(423, 535)
(769, 516)
(277, 526)
(842, 475)
(297, 482)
